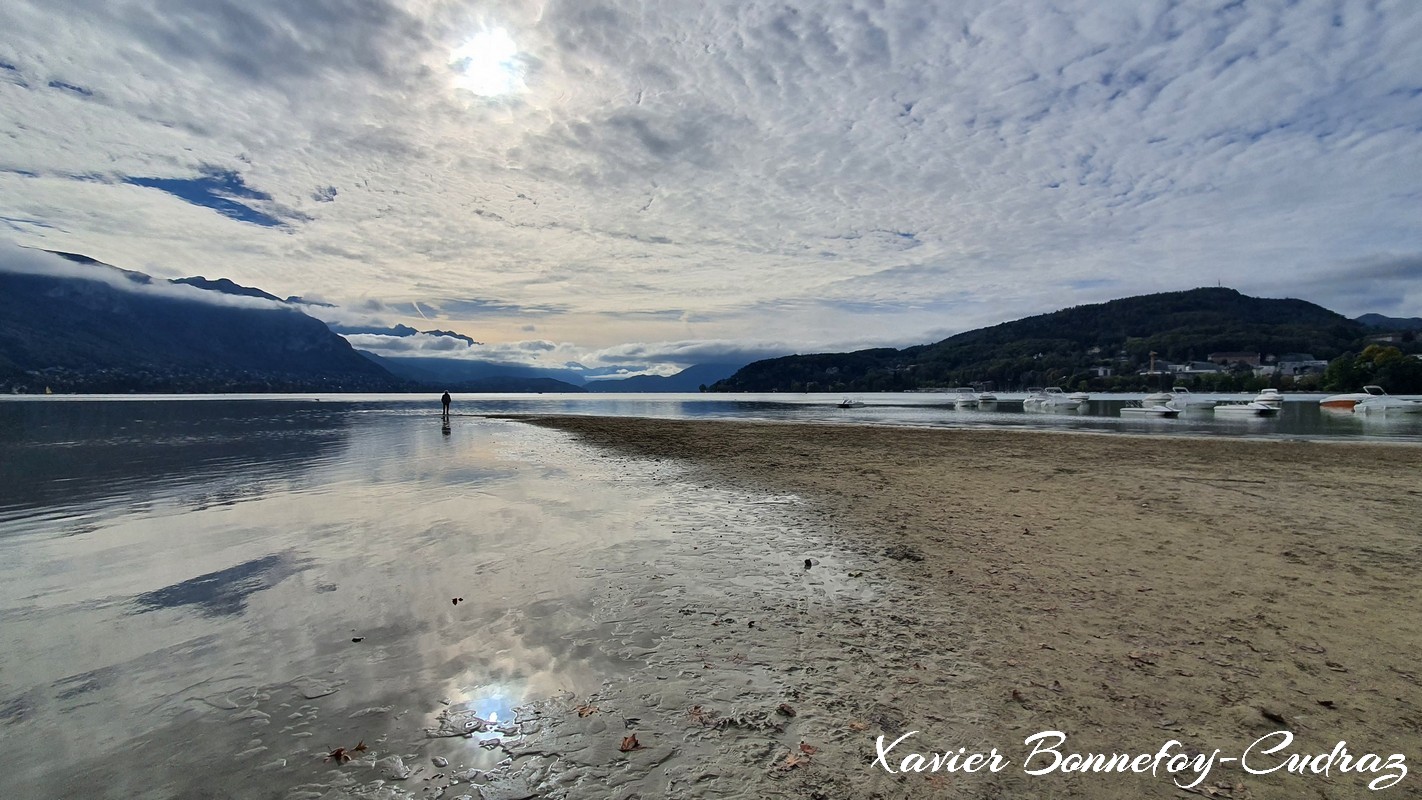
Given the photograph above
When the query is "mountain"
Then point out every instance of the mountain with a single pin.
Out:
(396, 330)
(1063, 347)
(1382, 323)
(469, 340)
(468, 375)
(507, 385)
(121, 331)
(226, 286)
(690, 379)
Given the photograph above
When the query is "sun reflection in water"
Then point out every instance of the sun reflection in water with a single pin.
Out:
(492, 704)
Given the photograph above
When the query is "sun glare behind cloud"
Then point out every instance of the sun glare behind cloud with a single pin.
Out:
(487, 64)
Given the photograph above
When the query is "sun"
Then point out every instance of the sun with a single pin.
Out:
(488, 64)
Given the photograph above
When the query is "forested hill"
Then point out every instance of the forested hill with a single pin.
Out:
(98, 333)
(1063, 347)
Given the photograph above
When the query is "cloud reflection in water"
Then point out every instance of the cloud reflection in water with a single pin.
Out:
(225, 592)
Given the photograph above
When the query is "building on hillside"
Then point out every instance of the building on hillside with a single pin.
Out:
(1310, 366)
(1198, 368)
(1160, 368)
(1228, 359)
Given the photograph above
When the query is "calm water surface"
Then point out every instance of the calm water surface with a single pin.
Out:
(1300, 418)
(181, 585)
(183, 581)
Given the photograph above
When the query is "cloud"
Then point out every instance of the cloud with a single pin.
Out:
(808, 176)
(419, 344)
(1378, 284)
(19, 260)
(688, 353)
(476, 307)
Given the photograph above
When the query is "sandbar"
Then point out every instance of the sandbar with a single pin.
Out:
(1125, 591)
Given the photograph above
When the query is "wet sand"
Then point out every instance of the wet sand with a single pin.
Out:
(1125, 591)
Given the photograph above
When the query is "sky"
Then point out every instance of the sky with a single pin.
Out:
(656, 184)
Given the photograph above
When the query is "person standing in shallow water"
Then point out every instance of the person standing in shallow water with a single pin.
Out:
(445, 401)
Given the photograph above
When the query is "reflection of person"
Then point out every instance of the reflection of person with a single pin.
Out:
(445, 401)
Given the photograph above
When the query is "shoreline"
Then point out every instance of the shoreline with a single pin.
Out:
(1125, 590)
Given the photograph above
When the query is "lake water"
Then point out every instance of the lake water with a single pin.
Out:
(203, 597)
(1300, 418)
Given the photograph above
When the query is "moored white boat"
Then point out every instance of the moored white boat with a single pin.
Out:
(1181, 398)
(1144, 410)
(1080, 397)
(985, 398)
(851, 403)
(1250, 409)
(1049, 399)
(965, 397)
(1380, 402)
(1269, 397)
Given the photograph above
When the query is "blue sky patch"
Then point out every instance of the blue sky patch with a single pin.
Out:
(220, 190)
(69, 87)
(1091, 283)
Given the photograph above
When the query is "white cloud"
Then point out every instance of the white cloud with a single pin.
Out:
(749, 172)
(420, 344)
(26, 261)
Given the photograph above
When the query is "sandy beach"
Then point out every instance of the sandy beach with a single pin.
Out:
(1125, 591)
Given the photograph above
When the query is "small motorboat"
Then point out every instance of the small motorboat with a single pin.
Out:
(1143, 410)
(1181, 398)
(965, 397)
(1380, 402)
(851, 403)
(1050, 399)
(1345, 402)
(986, 398)
(1250, 409)
(1371, 400)
(1270, 397)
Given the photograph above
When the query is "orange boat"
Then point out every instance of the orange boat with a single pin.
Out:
(1345, 402)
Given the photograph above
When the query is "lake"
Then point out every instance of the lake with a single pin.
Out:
(1300, 417)
(205, 596)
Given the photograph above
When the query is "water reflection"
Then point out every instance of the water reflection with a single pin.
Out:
(72, 455)
(225, 591)
(319, 555)
(1301, 416)
(202, 593)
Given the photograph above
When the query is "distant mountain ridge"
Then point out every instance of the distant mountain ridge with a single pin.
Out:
(690, 379)
(467, 375)
(1070, 346)
(396, 330)
(89, 333)
(93, 334)
(226, 286)
(1382, 323)
(85, 334)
